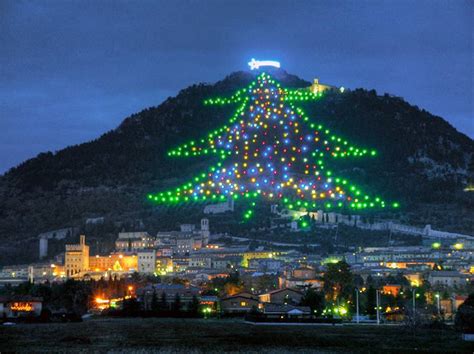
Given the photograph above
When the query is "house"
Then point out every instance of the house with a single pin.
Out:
(285, 311)
(209, 302)
(391, 289)
(20, 306)
(239, 303)
(447, 279)
(282, 296)
(301, 277)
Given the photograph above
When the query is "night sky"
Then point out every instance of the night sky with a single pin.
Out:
(71, 70)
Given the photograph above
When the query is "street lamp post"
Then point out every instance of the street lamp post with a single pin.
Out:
(377, 300)
(437, 302)
(413, 291)
(357, 304)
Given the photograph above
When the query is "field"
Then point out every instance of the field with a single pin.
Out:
(217, 336)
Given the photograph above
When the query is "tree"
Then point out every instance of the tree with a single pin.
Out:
(371, 301)
(271, 149)
(338, 281)
(131, 307)
(193, 306)
(464, 319)
(176, 307)
(314, 300)
(163, 302)
(154, 306)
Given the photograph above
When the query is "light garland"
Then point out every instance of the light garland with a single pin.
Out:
(271, 149)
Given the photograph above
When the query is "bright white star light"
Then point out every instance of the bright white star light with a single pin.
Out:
(256, 64)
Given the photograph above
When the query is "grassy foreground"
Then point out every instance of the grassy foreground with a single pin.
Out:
(199, 335)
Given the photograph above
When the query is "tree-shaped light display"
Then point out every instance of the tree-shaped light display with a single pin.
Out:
(270, 149)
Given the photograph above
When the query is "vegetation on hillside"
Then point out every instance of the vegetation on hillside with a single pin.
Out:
(423, 162)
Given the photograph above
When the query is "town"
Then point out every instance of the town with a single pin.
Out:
(195, 271)
(236, 176)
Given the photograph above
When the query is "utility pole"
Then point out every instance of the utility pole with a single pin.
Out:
(437, 301)
(377, 300)
(357, 304)
(413, 291)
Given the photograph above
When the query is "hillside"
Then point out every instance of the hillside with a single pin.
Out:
(423, 162)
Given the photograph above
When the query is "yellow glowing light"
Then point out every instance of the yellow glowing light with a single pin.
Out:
(21, 306)
(99, 300)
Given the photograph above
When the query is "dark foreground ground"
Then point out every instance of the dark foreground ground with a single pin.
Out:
(217, 336)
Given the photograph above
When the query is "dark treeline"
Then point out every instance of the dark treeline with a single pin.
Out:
(71, 296)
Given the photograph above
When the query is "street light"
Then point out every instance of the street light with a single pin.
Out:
(413, 291)
(437, 301)
(357, 304)
(377, 292)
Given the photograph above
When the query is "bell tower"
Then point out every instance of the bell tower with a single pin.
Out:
(205, 231)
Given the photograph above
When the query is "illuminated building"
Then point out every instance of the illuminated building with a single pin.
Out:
(20, 306)
(147, 262)
(134, 241)
(447, 279)
(266, 265)
(256, 255)
(164, 265)
(415, 278)
(115, 262)
(239, 303)
(317, 87)
(409, 265)
(200, 261)
(391, 289)
(185, 241)
(301, 277)
(76, 259)
(184, 245)
(469, 188)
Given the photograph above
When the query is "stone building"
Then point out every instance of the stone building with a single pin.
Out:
(282, 296)
(147, 261)
(76, 259)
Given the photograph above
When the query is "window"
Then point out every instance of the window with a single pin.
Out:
(243, 303)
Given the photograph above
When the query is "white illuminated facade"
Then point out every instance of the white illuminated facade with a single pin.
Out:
(256, 64)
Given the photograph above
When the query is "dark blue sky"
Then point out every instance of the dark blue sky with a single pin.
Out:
(71, 70)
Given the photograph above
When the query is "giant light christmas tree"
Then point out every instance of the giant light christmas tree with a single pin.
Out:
(270, 149)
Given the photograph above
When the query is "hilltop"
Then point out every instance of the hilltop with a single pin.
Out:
(423, 162)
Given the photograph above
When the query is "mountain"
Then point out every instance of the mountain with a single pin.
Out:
(422, 161)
